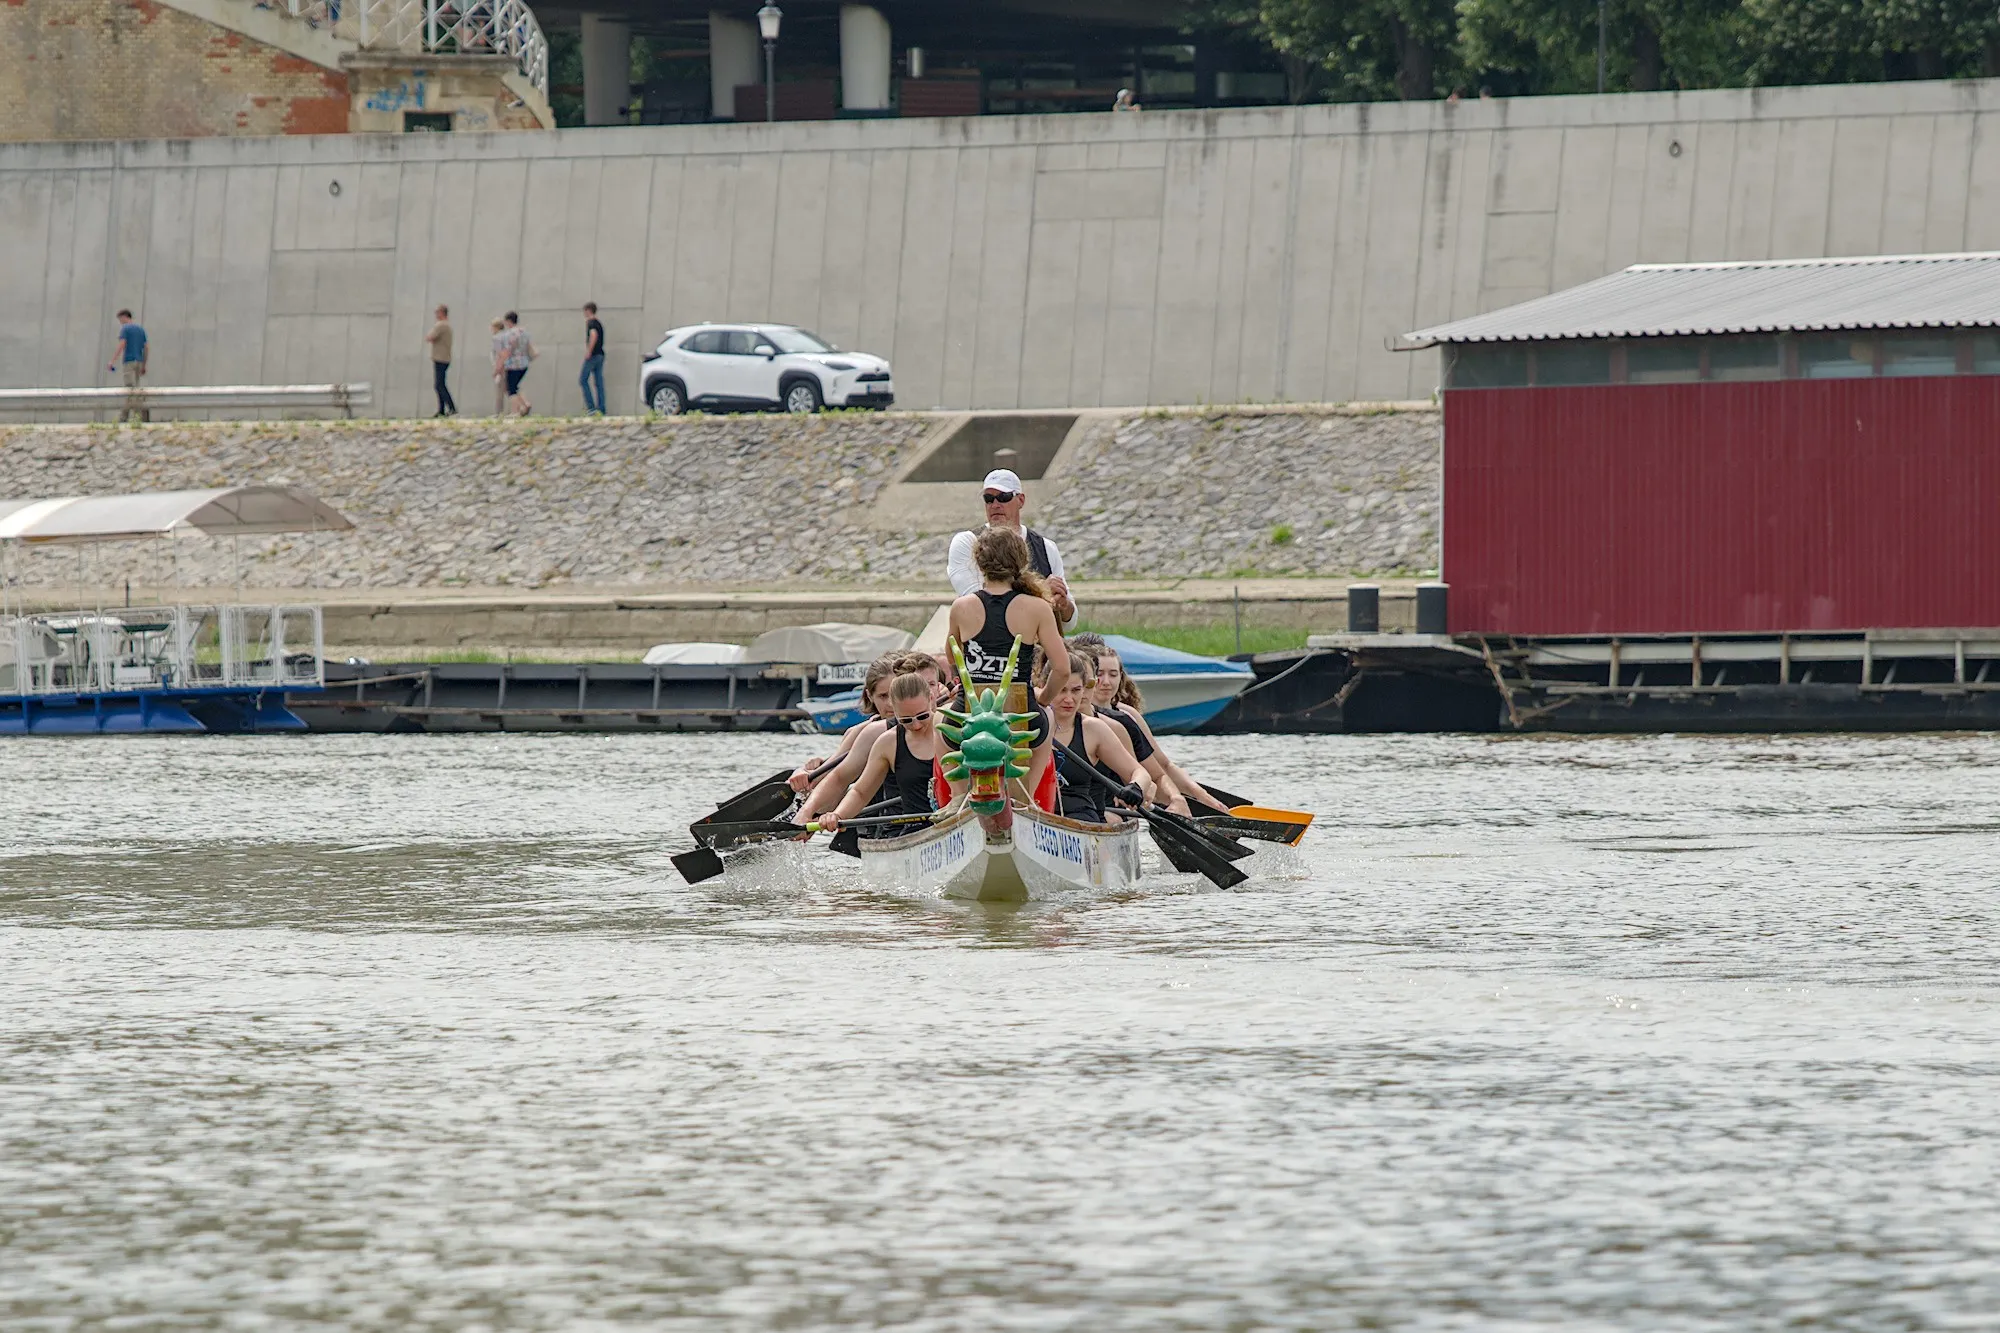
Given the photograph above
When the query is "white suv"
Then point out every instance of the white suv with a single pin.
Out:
(759, 366)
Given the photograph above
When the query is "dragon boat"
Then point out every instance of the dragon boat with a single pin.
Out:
(988, 846)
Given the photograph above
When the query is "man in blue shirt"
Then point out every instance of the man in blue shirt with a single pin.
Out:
(131, 362)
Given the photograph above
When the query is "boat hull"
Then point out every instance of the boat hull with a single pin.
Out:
(1022, 855)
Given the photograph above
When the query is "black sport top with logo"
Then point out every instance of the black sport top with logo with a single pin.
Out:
(986, 652)
(910, 777)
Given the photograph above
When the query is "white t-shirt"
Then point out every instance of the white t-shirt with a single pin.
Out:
(964, 575)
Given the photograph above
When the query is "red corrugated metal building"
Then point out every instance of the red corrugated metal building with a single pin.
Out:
(1727, 448)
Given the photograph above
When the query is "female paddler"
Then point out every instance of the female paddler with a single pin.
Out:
(903, 759)
(1012, 603)
(1081, 739)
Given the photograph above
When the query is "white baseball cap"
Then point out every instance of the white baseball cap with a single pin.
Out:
(1001, 479)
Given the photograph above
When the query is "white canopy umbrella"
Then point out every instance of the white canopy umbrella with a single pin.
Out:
(830, 641)
(229, 511)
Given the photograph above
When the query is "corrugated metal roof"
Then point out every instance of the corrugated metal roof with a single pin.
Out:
(1758, 296)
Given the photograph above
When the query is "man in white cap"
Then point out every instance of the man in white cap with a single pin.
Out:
(1004, 499)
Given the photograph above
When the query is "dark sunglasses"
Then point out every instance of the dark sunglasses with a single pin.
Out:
(999, 497)
(912, 721)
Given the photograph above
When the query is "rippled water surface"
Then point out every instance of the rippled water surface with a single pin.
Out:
(424, 1033)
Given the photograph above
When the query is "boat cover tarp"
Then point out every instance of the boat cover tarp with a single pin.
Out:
(1140, 658)
(828, 642)
(694, 654)
(228, 511)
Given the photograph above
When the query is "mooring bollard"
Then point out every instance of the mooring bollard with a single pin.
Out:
(1364, 608)
(1431, 604)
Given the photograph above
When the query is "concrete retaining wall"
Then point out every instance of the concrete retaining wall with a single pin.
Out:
(1185, 257)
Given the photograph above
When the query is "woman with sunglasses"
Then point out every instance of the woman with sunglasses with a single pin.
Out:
(903, 759)
(859, 741)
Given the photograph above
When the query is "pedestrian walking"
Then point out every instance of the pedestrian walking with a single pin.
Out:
(593, 361)
(499, 366)
(440, 340)
(518, 353)
(129, 360)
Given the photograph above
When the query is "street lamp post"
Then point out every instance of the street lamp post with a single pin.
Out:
(768, 19)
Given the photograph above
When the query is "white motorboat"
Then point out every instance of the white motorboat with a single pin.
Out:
(1020, 854)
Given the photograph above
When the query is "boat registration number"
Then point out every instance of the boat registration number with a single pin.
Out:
(842, 673)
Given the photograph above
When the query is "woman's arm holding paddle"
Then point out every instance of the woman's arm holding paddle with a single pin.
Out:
(828, 791)
(881, 757)
(1184, 786)
(1107, 749)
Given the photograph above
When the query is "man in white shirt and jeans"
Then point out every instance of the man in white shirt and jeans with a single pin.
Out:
(1004, 499)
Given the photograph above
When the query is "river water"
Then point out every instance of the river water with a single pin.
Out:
(423, 1033)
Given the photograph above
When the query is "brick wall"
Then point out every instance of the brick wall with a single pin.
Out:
(135, 69)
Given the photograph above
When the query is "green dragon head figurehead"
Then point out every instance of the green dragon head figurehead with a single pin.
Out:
(991, 743)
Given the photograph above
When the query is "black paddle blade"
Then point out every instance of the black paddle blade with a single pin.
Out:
(847, 842)
(1189, 856)
(766, 802)
(1263, 830)
(700, 864)
(722, 837)
(1220, 843)
(1227, 798)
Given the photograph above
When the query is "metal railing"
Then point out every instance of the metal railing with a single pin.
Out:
(436, 27)
(161, 648)
(343, 397)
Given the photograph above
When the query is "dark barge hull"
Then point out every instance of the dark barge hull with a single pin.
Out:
(1883, 681)
(587, 697)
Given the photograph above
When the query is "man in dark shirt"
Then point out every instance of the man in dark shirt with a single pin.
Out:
(130, 362)
(593, 361)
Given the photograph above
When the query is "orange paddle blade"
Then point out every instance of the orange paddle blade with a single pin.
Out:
(1267, 812)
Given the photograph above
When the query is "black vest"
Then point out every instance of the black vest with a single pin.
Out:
(1038, 554)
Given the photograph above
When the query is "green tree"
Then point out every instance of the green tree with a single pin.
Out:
(1349, 50)
(1854, 41)
(1550, 46)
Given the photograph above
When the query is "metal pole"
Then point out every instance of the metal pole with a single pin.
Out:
(770, 81)
(1600, 45)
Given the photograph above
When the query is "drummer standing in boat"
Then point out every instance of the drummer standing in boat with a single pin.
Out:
(1004, 498)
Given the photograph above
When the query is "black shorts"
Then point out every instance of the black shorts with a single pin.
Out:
(514, 381)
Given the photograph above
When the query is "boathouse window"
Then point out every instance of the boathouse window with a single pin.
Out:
(1662, 361)
(1984, 350)
(1572, 363)
(1738, 359)
(1489, 366)
(1920, 354)
(1842, 357)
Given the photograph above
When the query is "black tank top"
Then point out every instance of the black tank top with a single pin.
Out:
(910, 778)
(1142, 748)
(986, 654)
(1080, 797)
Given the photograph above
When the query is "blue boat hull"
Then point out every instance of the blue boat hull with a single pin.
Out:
(147, 712)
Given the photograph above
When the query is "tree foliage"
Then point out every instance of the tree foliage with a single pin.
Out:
(1354, 50)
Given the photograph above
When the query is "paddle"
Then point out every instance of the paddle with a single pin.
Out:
(1186, 852)
(1243, 808)
(705, 862)
(755, 794)
(1287, 832)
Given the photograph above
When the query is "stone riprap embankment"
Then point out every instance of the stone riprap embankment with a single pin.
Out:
(741, 500)
(1326, 493)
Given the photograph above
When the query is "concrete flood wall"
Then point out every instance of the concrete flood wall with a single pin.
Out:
(1066, 261)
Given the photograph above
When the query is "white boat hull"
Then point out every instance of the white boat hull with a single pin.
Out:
(1011, 858)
